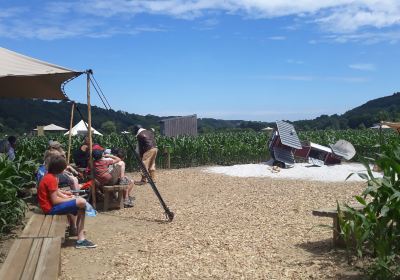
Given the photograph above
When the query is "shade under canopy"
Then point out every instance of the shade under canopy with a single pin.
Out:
(25, 77)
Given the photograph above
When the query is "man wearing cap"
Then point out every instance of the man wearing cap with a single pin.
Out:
(147, 151)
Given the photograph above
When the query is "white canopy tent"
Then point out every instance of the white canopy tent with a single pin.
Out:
(267, 128)
(81, 129)
(53, 127)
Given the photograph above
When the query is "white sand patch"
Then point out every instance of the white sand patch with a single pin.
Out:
(302, 171)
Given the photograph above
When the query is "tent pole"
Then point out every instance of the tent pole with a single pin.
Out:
(93, 188)
(70, 132)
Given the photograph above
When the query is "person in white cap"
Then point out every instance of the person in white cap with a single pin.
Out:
(147, 151)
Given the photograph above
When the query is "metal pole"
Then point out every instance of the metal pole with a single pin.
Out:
(70, 132)
(93, 188)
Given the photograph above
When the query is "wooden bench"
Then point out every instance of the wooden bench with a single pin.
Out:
(33, 258)
(333, 213)
(40, 226)
(36, 253)
(111, 192)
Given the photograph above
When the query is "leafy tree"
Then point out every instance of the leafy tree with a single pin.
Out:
(108, 127)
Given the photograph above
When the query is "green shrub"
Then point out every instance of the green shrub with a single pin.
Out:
(375, 231)
(14, 176)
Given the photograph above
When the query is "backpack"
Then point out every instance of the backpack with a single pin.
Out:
(40, 174)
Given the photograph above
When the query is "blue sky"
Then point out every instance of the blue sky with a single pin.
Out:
(260, 60)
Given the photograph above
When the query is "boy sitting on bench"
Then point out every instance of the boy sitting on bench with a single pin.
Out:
(109, 170)
(54, 201)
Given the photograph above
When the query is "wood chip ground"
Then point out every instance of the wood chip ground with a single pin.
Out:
(224, 228)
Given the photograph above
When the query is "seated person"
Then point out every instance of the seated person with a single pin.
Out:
(67, 177)
(107, 176)
(56, 202)
(81, 156)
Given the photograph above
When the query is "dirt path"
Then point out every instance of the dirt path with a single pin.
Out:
(225, 228)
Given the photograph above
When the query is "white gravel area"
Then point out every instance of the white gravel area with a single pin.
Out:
(300, 171)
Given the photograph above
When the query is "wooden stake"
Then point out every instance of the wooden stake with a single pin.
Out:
(93, 188)
(70, 132)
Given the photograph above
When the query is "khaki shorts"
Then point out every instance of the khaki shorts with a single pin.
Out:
(115, 174)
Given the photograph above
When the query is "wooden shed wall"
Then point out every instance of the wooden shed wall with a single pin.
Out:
(179, 126)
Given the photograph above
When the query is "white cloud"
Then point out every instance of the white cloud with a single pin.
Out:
(277, 38)
(333, 15)
(364, 37)
(344, 18)
(306, 78)
(294, 61)
(362, 66)
(286, 77)
(208, 24)
(11, 12)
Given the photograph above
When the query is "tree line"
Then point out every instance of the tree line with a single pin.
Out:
(19, 116)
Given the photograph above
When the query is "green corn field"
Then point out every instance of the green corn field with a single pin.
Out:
(213, 149)
(179, 152)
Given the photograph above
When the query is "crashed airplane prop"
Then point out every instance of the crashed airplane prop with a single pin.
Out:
(284, 145)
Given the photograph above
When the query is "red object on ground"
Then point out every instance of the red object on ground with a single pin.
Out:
(87, 185)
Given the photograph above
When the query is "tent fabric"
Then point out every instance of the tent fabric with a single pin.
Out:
(25, 77)
(81, 129)
(53, 127)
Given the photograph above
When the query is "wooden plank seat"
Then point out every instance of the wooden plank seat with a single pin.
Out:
(33, 258)
(333, 213)
(114, 192)
(40, 226)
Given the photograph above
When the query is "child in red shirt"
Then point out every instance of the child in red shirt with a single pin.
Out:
(57, 202)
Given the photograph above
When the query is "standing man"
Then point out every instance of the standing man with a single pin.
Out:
(147, 151)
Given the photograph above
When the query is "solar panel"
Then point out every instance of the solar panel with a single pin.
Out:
(284, 155)
(315, 162)
(288, 135)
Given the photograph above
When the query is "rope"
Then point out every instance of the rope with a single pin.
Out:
(94, 86)
(109, 106)
(67, 81)
(170, 215)
(82, 117)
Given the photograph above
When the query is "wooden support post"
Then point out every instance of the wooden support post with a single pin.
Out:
(167, 165)
(93, 187)
(40, 130)
(70, 132)
(168, 158)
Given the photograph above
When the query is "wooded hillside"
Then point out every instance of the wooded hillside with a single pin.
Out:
(22, 115)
